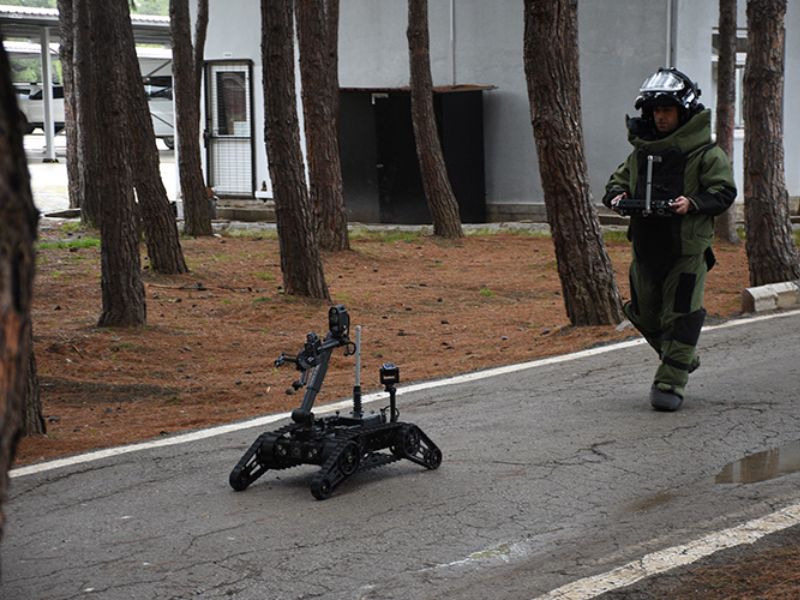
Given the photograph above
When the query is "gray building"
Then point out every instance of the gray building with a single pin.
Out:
(481, 42)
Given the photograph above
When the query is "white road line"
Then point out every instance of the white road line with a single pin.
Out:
(345, 404)
(677, 556)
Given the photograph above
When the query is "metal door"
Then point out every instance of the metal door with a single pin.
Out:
(229, 128)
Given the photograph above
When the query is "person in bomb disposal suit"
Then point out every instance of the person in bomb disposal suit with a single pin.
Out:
(690, 177)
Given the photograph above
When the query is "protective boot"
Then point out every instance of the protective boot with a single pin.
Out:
(667, 400)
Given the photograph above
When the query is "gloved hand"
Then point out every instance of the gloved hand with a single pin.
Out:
(615, 200)
(680, 205)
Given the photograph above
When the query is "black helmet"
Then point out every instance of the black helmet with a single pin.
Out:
(668, 87)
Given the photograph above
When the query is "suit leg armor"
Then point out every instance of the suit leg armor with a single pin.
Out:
(682, 319)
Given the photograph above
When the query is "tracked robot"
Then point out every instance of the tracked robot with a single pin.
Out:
(342, 445)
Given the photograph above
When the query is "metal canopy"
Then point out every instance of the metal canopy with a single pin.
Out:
(41, 26)
(437, 89)
(18, 22)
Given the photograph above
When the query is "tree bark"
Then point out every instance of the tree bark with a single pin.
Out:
(158, 220)
(301, 264)
(771, 252)
(186, 87)
(107, 166)
(86, 118)
(441, 200)
(18, 221)
(32, 417)
(725, 225)
(590, 292)
(67, 55)
(317, 28)
(200, 30)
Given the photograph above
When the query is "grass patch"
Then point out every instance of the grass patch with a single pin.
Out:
(517, 231)
(87, 242)
(125, 346)
(264, 276)
(393, 235)
(262, 299)
(71, 226)
(615, 236)
(486, 292)
(251, 234)
(343, 298)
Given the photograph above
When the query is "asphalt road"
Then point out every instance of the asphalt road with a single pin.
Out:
(550, 474)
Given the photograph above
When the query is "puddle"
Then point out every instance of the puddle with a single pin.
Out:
(762, 466)
(651, 502)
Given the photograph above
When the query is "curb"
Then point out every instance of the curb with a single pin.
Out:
(771, 296)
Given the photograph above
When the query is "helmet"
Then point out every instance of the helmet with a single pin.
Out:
(668, 87)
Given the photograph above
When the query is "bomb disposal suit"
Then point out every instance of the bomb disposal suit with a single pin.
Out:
(672, 253)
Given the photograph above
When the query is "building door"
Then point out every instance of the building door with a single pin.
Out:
(380, 169)
(229, 128)
(401, 196)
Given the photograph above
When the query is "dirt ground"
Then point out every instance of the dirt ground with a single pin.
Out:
(434, 307)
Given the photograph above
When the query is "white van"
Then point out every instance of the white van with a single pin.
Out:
(32, 106)
(159, 98)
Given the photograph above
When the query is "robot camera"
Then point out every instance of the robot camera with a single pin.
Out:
(390, 374)
(339, 321)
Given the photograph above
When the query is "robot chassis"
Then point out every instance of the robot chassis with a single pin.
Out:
(341, 445)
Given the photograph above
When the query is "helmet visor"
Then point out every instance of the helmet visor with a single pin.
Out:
(663, 81)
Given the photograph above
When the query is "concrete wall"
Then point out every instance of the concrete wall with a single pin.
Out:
(488, 49)
(234, 33)
(696, 21)
(621, 42)
(791, 102)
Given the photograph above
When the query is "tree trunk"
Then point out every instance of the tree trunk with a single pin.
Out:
(200, 30)
(771, 253)
(67, 55)
(590, 292)
(725, 225)
(107, 166)
(186, 87)
(18, 222)
(300, 260)
(317, 28)
(32, 418)
(85, 116)
(158, 220)
(441, 201)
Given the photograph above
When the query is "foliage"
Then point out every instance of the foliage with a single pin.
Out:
(25, 70)
(31, 3)
(28, 69)
(150, 7)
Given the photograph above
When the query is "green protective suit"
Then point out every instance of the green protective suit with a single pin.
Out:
(671, 255)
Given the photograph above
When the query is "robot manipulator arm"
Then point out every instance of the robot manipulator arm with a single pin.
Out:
(307, 358)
